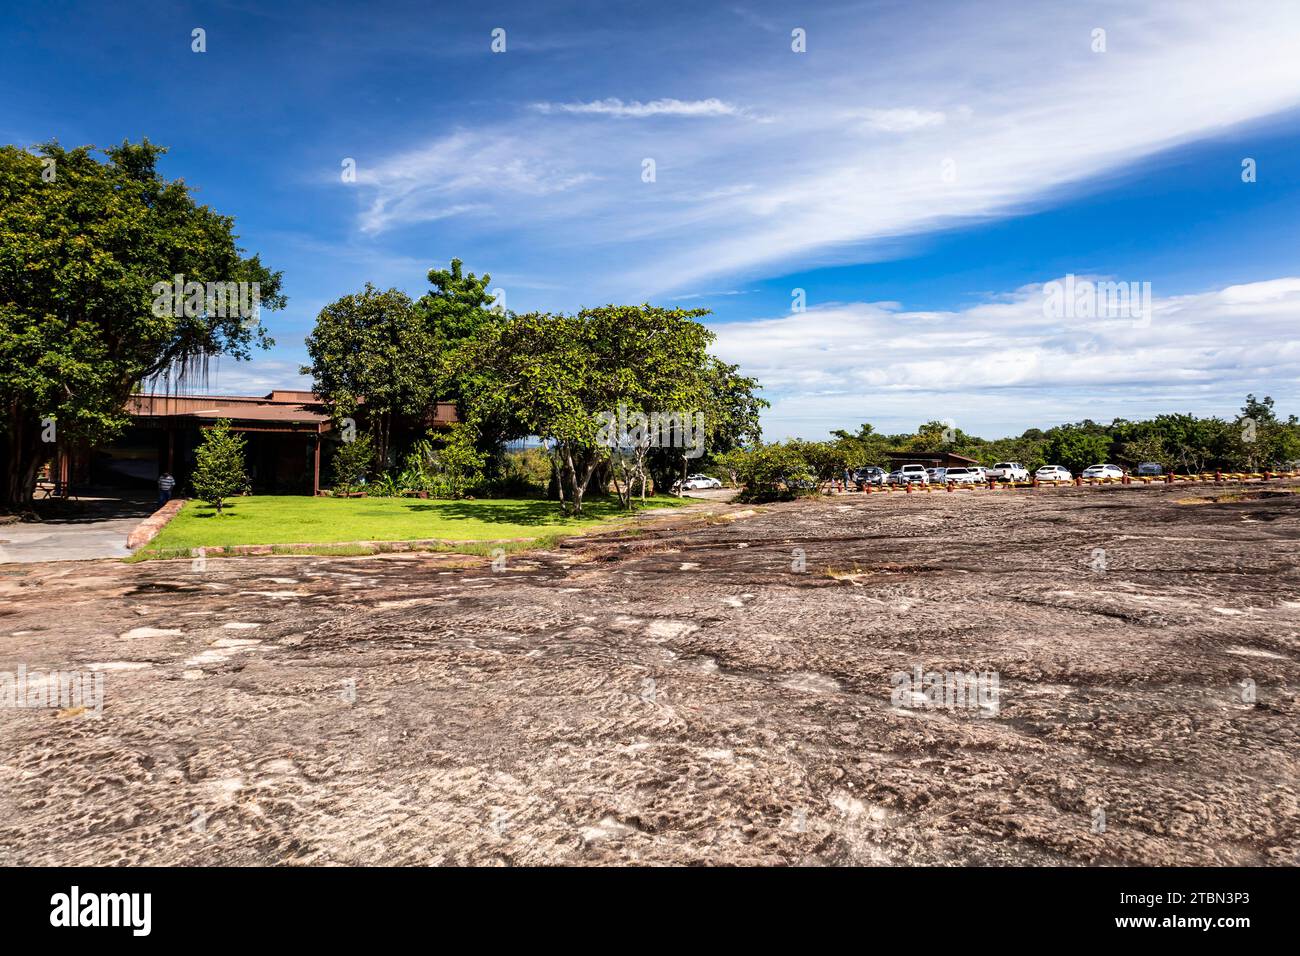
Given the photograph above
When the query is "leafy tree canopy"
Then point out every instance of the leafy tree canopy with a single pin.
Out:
(83, 243)
(373, 348)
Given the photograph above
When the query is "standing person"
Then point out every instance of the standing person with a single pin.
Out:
(165, 485)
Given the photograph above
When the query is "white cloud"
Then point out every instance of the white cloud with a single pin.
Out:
(899, 120)
(1038, 111)
(612, 106)
(460, 173)
(258, 377)
(1002, 366)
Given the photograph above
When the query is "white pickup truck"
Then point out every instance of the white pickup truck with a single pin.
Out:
(1009, 471)
(910, 473)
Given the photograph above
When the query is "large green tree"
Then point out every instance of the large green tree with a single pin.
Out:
(564, 376)
(457, 311)
(660, 386)
(1076, 447)
(458, 306)
(373, 350)
(731, 409)
(83, 243)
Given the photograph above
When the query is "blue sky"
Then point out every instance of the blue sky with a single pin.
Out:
(920, 171)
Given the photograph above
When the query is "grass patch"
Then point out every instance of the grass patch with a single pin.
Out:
(340, 522)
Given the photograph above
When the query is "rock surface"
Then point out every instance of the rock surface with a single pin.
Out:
(684, 694)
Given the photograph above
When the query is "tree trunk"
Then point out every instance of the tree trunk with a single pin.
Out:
(623, 501)
(22, 451)
(578, 487)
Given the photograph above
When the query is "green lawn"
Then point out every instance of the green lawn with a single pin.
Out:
(266, 519)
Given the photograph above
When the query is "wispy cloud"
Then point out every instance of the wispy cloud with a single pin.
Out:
(463, 172)
(710, 295)
(612, 106)
(990, 116)
(899, 119)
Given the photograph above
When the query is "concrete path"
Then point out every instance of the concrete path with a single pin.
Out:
(86, 530)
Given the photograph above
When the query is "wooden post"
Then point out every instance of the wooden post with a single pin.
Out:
(315, 481)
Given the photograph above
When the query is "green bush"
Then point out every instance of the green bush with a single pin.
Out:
(385, 486)
(351, 463)
(775, 472)
(219, 471)
(446, 472)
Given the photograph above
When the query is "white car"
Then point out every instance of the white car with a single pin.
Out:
(696, 483)
(962, 476)
(1009, 471)
(1103, 471)
(910, 473)
(1053, 473)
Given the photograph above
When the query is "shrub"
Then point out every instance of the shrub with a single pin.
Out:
(523, 474)
(352, 462)
(446, 472)
(219, 471)
(775, 471)
(385, 486)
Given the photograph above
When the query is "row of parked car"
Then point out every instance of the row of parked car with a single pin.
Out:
(973, 475)
(978, 474)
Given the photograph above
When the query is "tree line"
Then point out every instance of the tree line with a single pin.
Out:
(87, 236)
(85, 241)
(593, 386)
(1253, 440)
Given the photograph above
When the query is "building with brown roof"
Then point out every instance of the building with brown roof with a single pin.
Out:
(289, 436)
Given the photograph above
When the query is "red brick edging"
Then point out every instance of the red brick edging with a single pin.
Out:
(148, 529)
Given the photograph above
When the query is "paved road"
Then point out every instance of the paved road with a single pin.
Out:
(92, 529)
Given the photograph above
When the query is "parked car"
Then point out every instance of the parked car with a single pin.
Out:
(936, 474)
(910, 474)
(871, 475)
(1103, 471)
(1009, 471)
(962, 476)
(696, 483)
(1150, 469)
(980, 472)
(1053, 473)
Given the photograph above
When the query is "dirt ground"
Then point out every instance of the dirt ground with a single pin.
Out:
(685, 693)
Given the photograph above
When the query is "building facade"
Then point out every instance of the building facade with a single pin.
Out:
(290, 439)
